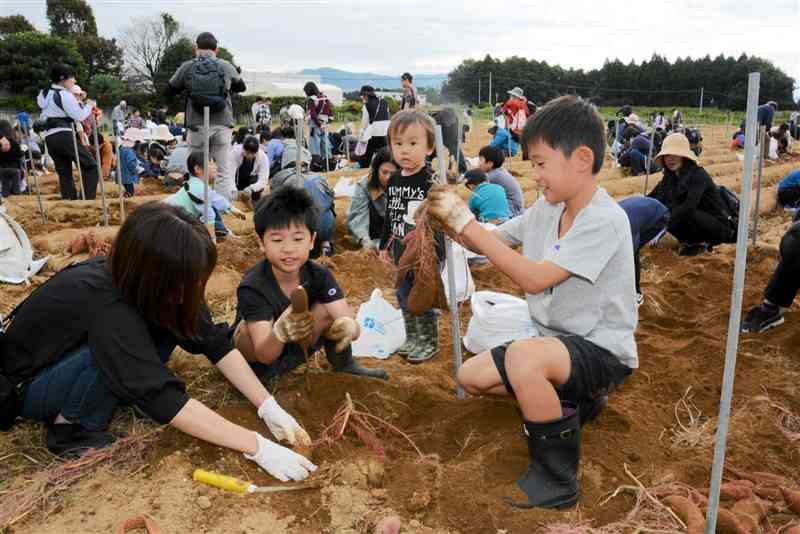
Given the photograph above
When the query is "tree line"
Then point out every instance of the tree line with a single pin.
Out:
(653, 82)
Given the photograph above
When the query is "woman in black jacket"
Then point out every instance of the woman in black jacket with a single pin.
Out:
(699, 217)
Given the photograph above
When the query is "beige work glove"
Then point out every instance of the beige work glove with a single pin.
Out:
(293, 327)
(344, 330)
(238, 213)
(447, 207)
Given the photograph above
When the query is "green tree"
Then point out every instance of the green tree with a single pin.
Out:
(106, 89)
(71, 18)
(25, 60)
(15, 24)
(102, 56)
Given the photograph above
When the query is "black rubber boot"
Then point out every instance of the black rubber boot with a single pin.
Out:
(555, 451)
(71, 440)
(590, 409)
(343, 362)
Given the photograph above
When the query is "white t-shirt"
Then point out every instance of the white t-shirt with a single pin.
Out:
(598, 301)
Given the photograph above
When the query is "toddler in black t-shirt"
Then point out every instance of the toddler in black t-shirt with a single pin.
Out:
(266, 331)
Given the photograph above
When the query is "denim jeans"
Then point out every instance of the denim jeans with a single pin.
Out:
(73, 387)
(318, 143)
(219, 224)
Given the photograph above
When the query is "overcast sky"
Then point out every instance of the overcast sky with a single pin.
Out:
(432, 36)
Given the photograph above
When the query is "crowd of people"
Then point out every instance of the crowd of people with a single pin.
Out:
(574, 253)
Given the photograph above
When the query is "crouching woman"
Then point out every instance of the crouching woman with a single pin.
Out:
(118, 320)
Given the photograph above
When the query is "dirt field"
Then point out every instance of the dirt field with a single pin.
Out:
(659, 427)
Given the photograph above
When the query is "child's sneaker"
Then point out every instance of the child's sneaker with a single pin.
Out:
(639, 299)
(761, 318)
(428, 345)
(693, 249)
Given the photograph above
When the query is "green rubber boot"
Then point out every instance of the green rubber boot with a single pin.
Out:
(412, 333)
(428, 345)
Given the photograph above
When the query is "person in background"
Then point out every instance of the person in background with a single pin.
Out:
(155, 157)
(60, 110)
(191, 196)
(118, 117)
(251, 166)
(107, 160)
(367, 212)
(782, 287)
(274, 149)
(220, 117)
(676, 123)
(789, 190)
(766, 112)
(131, 167)
(660, 122)
(318, 118)
(699, 218)
(648, 218)
(502, 140)
(516, 112)
(10, 166)
(488, 202)
(490, 161)
(410, 98)
(374, 124)
(136, 120)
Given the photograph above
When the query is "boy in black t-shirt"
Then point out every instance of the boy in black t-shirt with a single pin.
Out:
(266, 331)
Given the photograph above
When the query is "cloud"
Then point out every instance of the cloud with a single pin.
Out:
(434, 36)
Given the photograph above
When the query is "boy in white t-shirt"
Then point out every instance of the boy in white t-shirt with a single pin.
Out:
(577, 271)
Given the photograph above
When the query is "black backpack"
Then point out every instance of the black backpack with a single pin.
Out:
(10, 393)
(207, 85)
(731, 202)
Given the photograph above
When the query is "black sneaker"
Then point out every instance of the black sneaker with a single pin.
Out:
(72, 441)
(760, 319)
(693, 249)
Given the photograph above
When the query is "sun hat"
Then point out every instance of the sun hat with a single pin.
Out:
(131, 135)
(162, 133)
(517, 92)
(296, 112)
(675, 144)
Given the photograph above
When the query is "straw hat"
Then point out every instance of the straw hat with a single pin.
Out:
(517, 92)
(163, 134)
(675, 144)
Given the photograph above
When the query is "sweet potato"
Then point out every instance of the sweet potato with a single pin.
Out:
(754, 507)
(770, 493)
(728, 523)
(733, 491)
(792, 498)
(688, 512)
(794, 529)
(761, 478)
(748, 523)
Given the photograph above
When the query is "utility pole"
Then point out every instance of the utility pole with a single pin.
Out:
(479, 91)
(701, 99)
(490, 89)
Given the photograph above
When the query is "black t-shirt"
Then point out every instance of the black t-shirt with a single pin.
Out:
(260, 297)
(404, 194)
(80, 305)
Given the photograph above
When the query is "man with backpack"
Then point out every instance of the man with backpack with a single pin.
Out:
(209, 81)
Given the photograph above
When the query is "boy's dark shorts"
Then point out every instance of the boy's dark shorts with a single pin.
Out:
(595, 372)
(290, 359)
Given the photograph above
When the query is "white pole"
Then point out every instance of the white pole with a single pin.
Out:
(455, 321)
(762, 134)
(736, 306)
(298, 163)
(208, 212)
(649, 159)
(490, 90)
(119, 182)
(99, 171)
(78, 160)
(701, 99)
(33, 172)
(479, 91)
(459, 115)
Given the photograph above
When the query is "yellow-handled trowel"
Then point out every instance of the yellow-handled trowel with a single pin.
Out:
(236, 485)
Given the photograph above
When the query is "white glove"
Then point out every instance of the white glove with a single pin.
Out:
(238, 213)
(447, 207)
(280, 462)
(282, 425)
(345, 330)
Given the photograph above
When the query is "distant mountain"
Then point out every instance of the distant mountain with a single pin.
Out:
(352, 81)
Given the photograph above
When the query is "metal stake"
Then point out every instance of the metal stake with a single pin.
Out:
(35, 176)
(78, 159)
(119, 182)
(455, 321)
(736, 307)
(99, 171)
(207, 211)
(762, 133)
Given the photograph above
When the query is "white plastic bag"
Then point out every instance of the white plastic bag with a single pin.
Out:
(345, 187)
(16, 254)
(497, 318)
(465, 285)
(382, 328)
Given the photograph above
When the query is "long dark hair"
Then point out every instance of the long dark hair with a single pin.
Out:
(311, 89)
(384, 155)
(160, 262)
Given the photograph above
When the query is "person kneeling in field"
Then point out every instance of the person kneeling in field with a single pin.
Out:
(782, 288)
(266, 331)
(577, 271)
(120, 319)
